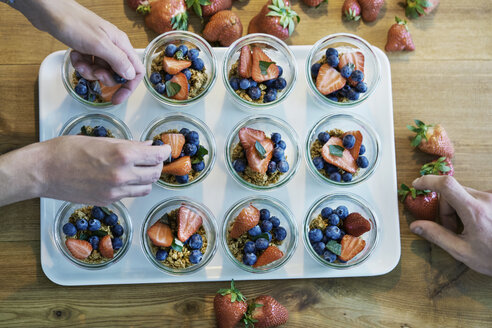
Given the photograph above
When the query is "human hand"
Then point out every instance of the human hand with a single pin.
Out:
(473, 246)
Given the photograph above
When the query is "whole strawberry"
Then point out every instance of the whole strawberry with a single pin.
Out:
(351, 10)
(417, 8)
(422, 204)
(206, 8)
(275, 18)
(165, 15)
(370, 9)
(224, 27)
(313, 3)
(399, 37)
(229, 306)
(266, 312)
(133, 4)
(441, 166)
(432, 139)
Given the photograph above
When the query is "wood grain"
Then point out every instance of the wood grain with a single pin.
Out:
(447, 80)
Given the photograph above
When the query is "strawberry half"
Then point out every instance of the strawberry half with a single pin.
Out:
(160, 234)
(176, 141)
(259, 66)
(269, 255)
(106, 247)
(266, 312)
(247, 219)
(351, 246)
(356, 225)
(229, 307)
(441, 166)
(181, 166)
(245, 62)
(358, 142)
(108, 92)
(422, 204)
(188, 223)
(180, 79)
(346, 162)
(256, 161)
(329, 80)
(80, 249)
(356, 58)
(173, 66)
(432, 139)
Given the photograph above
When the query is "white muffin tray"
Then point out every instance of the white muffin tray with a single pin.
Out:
(219, 112)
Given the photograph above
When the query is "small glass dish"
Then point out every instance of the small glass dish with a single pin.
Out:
(354, 203)
(345, 122)
(268, 124)
(117, 127)
(209, 225)
(177, 38)
(278, 51)
(177, 122)
(63, 216)
(344, 42)
(276, 208)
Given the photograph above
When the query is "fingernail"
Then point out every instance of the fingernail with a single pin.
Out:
(417, 230)
(81, 70)
(414, 181)
(130, 73)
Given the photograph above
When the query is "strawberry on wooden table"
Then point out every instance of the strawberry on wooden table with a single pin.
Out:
(334, 153)
(224, 27)
(181, 166)
(160, 234)
(356, 225)
(432, 139)
(351, 10)
(418, 8)
(370, 9)
(175, 92)
(258, 149)
(106, 247)
(245, 62)
(275, 18)
(164, 15)
(269, 255)
(441, 166)
(265, 312)
(399, 37)
(134, 4)
(313, 3)
(263, 68)
(188, 223)
(329, 80)
(229, 307)
(176, 141)
(80, 249)
(247, 219)
(422, 204)
(351, 246)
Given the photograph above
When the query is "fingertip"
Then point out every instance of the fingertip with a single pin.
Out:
(130, 73)
(416, 228)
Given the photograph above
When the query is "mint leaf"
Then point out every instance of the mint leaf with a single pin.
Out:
(336, 150)
(259, 148)
(177, 245)
(105, 210)
(179, 55)
(261, 235)
(334, 247)
(264, 66)
(201, 152)
(99, 233)
(172, 88)
(83, 236)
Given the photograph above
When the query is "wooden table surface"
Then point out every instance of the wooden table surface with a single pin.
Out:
(447, 79)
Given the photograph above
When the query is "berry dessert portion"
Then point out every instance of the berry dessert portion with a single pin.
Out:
(96, 131)
(258, 159)
(187, 155)
(339, 155)
(178, 238)
(335, 234)
(255, 77)
(94, 234)
(254, 237)
(95, 91)
(178, 72)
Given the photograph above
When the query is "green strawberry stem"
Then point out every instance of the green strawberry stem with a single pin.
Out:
(180, 21)
(437, 167)
(197, 5)
(248, 319)
(236, 295)
(421, 130)
(286, 14)
(416, 8)
(143, 8)
(401, 22)
(405, 190)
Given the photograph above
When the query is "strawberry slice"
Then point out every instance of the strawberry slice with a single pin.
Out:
(247, 219)
(272, 253)
(245, 62)
(356, 225)
(80, 249)
(176, 141)
(346, 162)
(329, 80)
(356, 58)
(181, 166)
(271, 71)
(174, 66)
(256, 161)
(188, 223)
(108, 92)
(106, 247)
(358, 142)
(351, 246)
(160, 234)
(180, 79)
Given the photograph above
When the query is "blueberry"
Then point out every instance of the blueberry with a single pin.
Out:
(197, 64)
(193, 54)
(117, 243)
(270, 96)
(94, 241)
(282, 144)
(155, 78)
(252, 83)
(332, 60)
(335, 176)
(276, 137)
(255, 231)
(333, 219)
(117, 230)
(183, 49)
(99, 131)
(319, 247)
(345, 90)
(83, 81)
(346, 70)
(160, 88)
(353, 95)
(193, 138)
(249, 247)
(77, 75)
(357, 76)
(239, 165)
(330, 168)
(266, 225)
(234, 82)
(195, 241)
(190, 149)
(323, 137)
(362, 162)
(272, 167)
(187, 73)
(184, 131)
(161, 255)
(331, 52)
(244, 84)
(332, 232)
(361, 87)
(182, 179)
(349, 141)
(111, 219)
(249, 259)
(261, 244)
(81, 89)
(315, 236)
(118, 79)
(333, 96)
(94, 225)
(318, 162)
(254, 93)
(326, 212)
(315, 69)
(280, 70)
(280, 84)
(167, 77)
(170, 50)
(195, 255)
(264, 214)
(95, 87)
(69, 229)
(280, 233)
(347, 177)
(278, 154)
(97, 213)
(329, 256)
(269, 83)
(275, 221)
(157, 142)
(81, 224)
(325, 239)
(362, 150)
(269, 234)
(342, 211)
(198, 167)
(283, 166)
(342, 233)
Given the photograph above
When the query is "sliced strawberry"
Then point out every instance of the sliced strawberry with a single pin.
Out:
(188, 223)
(329, 80)
(180, 79)
(160, 234)
(272, 70)
(181, 166)
(256, 161)
(247, 219)
(245, 62)
(351, 246)
(356, 58)
(174, 66)
(356, 225)
(176, 141)
(358, 142)
(108, 92)
(346, 162)
(106, 247)
(271, 254)
(80, 249)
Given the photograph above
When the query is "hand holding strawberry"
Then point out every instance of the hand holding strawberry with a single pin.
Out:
(422, 204)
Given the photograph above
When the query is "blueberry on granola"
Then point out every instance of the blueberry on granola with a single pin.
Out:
(266, 225)
(249, 247)
(94, 225)
(117, 230)
(81, 224)
(264, 214)
(94, 241)
(255, 231)
(111, 219)
(195, 256)
(170, 50)
(249, 259)
(280, 233)
(117, 243)
(161, 255)
(275, 221)
(155, 78)
(69, 229)
(319, 247)
(195, 241)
